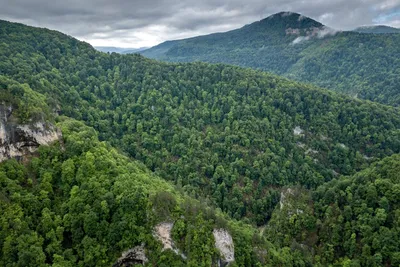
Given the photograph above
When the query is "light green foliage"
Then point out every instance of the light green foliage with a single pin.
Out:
(29, 105)
(217, 131)
(84, 207)
(221, 134)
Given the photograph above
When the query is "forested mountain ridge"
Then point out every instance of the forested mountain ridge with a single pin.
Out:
(377, 29)
(120, 50)
(218, 131)
(362, 65)
(229, 136)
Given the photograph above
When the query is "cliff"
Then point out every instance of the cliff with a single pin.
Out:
(19, 140)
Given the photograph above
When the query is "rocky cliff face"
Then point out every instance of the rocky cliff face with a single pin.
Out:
(18, 140)
(132, 257)
(224, 243)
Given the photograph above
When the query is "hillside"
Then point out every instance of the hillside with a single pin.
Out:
(218, 131)
(377, 29)
(84, 204)
(120, 50)
(229, 137)
(362, 65)
(353, 220)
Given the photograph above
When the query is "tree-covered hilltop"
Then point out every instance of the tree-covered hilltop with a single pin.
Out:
(231, 135)
(366, 66)
(351, 221)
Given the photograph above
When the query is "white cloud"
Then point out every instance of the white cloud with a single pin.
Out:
(135, 23)
(301, 39)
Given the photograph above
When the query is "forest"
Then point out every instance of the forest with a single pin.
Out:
(362, 65)
(277, 162)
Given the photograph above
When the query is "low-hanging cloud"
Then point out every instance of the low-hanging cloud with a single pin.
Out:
(139, 23)
(319, 34)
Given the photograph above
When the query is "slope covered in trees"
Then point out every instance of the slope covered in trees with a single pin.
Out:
(351, 221)
(363, 65)
(228, 136)
(81, 203)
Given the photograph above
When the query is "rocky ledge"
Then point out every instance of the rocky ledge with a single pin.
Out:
(19, 140)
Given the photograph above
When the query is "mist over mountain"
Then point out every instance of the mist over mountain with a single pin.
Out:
(365, 66)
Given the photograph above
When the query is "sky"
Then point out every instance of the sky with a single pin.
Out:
(144, 23)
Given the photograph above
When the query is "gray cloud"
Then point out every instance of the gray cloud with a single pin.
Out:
(136, 23)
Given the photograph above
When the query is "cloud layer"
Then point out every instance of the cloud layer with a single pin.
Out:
(137, 23)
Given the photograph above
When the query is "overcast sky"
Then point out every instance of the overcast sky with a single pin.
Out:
(138, 23)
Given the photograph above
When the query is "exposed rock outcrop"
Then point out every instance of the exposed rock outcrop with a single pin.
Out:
(298, 131)
(224, 243)
(284, 194)
(136, 255)
(288, 201)
(18, 140)
(163, 233)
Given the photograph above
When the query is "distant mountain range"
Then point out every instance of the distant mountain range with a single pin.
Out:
(119, 50)
(289, 44)
(377, 29)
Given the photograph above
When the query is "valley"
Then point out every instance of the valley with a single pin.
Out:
(122, 160)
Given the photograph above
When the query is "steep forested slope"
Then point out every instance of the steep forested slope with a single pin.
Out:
(228, 134)
(81, 203)
(353, 221)
(363, 65)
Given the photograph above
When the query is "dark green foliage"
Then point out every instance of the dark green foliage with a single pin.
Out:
(363, 65)
(230, 137)
(353, 221)
(218, 131)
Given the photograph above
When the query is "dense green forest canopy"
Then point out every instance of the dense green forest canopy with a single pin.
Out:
(365, 66)
(81, 203)
(353, 220)
(228, 136)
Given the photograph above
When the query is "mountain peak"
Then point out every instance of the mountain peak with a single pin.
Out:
(284, 14)
(287, 24)
(292, 20)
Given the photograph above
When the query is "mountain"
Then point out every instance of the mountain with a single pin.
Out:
(377, 29)
(111, 49)
(173, 164)
(289, 44)
(284, 27)
(134, 50)
(120, 50)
